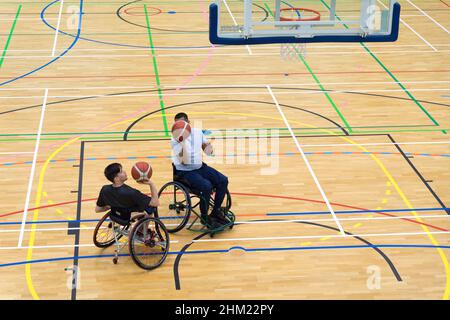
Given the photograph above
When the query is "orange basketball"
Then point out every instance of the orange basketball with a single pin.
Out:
(181, 130)
(141, 171)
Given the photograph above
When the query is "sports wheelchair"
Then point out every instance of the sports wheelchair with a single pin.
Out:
(178, 200)
(147, 237)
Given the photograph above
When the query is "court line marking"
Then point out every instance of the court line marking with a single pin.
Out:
(5, 49)
(235, 23)
(234, 48)
(321, 236)
(312, 91)
(33, 167)
(76, 38)
(269, 221)
(29, 280)
(263, 54)
(57, 28)
(305, 159)
(366, 48)
(410, 28)
(313, 84)
(59, 246)
(155, 69)
(236, 155)
(269, 214)
(425, 14)
(229, 249)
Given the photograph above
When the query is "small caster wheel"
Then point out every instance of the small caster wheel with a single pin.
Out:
(231, 227)
(115, 260)
(211, 235)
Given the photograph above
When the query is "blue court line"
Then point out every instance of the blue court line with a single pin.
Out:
(238, 248)
(268, 214)
(58, 57)
(353, 211)
(244, 154)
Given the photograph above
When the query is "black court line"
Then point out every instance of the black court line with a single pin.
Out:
(121, 17)
(76, 224)
(176, 274)
(176, 266)
(425, 182)
(224, 87)
(125, 136)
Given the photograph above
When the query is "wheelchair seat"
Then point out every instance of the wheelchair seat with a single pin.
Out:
(121, 216)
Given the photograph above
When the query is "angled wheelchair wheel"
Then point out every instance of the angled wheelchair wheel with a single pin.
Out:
(149, 243)
(175, 206)
(104, 233)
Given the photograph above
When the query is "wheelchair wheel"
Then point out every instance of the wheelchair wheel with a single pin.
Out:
(175, 206)
(149, 243)
(104, 233)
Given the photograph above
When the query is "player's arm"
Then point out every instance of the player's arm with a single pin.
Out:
(101, 206)
(207, 146)
(154, 193)
(102, 209)
(177, 147)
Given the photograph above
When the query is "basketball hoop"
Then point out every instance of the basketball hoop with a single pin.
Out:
(316, 16)
(296, 51)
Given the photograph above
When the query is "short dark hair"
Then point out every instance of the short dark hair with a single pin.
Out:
(181, 115)
(112, 170)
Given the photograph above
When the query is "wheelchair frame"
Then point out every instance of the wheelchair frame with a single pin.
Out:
(186, 205)
(121, 227)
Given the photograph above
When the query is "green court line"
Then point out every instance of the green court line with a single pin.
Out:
(155, 67)
(215, 130)
(347, 126)
(10, 35)
(391, 75)
(120, 137)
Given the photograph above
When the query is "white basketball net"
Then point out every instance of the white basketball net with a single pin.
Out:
(293, 51)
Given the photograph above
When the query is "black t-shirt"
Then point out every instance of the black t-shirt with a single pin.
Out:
(123, 197)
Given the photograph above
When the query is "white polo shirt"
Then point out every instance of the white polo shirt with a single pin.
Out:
(192, 151)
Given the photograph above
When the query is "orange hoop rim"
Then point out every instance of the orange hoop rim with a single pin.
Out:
(316, 18)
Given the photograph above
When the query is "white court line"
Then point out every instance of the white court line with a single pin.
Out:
(261, 222)
(424, 13)
(410, 28)
(59, 246)
(305, 159)
(377, 144)
(57, 28)
(33, 167)
(322, 236)
(235, 23)
(200, 86)
(275, 53)
(225, 93)
(235, 48)
(257, 239)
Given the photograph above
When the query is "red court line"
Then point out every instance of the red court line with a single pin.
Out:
(226, 74)
(254, 214)
(337, 204)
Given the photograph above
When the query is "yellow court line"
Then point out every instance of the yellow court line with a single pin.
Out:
(378, 162)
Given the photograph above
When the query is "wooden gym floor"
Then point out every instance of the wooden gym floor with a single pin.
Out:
(78, 91)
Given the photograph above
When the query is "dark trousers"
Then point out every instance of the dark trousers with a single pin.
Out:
(204, 180)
